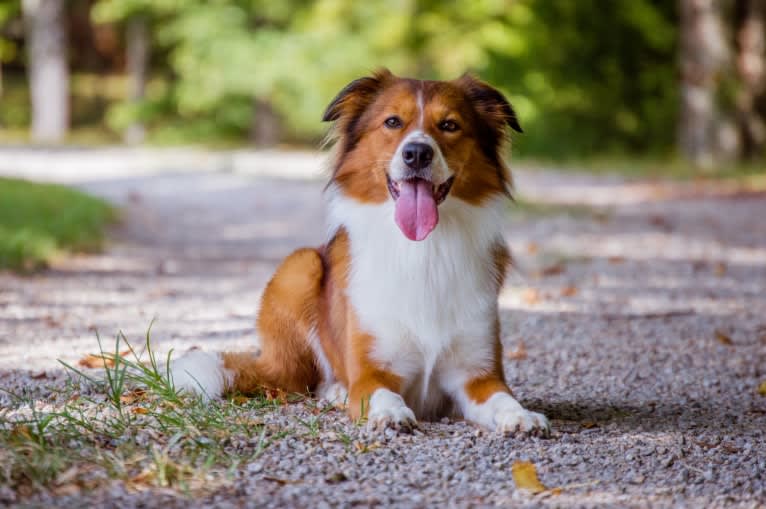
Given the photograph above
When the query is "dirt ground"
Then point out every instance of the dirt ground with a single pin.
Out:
(636, 321)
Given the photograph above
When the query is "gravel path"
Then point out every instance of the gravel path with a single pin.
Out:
(636, 322)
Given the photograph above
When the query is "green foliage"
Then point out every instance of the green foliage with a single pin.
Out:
(9, 10)
(586, 76)
(37, 220)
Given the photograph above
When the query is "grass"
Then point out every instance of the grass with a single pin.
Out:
(134, 427)
(38, 221)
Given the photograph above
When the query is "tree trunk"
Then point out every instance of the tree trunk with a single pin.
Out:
(702, 54)
(137, 53)
(265, 131)
(751, 67)
(46, 43)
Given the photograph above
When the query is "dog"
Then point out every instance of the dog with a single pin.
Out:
(396, 316)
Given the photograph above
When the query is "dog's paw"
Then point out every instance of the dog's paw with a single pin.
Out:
(334, 394)
(510, 420)
(388, 410)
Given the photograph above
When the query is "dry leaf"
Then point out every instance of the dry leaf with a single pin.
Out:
(39, 376)
(531, 296)
(552, 270)
(146, 477)
(21, 431)
(532, 248)
(525, 477)
(588, 424)
(66, 490)
(616, 259)
(140, 410)
(519, 353)
(100, 361)
(133, 396)
(569, 291)
(723, 338)
(240, 400)
(720, 269)
(762, 388)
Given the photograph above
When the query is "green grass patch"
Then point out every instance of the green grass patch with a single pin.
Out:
(37, 221)
(127, 422)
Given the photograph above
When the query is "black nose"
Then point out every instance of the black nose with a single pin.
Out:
(417, 155)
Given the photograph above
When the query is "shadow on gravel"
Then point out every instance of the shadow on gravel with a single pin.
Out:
(660, 416)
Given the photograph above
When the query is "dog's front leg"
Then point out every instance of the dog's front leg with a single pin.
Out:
(487, 400)
(374, 392)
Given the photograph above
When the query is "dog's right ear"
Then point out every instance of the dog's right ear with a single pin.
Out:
(356, 96)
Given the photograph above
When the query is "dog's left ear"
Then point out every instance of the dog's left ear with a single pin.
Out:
(489, 102)
(356, 96)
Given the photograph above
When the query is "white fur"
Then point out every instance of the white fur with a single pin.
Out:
(334, 393)
(431, 305)
(387, 408)
(200, 373)
(502, 413)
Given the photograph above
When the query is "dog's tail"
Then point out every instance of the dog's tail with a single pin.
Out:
(286, 327)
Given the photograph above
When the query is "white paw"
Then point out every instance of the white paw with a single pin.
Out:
(200, 373)
(388, 410)
(514, 420)
(333, 393)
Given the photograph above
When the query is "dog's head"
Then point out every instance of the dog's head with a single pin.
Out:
(420, 143)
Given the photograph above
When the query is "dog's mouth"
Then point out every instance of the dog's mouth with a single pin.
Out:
(416, 201)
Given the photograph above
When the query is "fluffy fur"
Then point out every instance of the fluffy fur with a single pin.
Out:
(395, 329)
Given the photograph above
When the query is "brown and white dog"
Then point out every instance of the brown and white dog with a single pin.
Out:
(396, 316)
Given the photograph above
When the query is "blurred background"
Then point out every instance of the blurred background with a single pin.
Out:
(643, 80)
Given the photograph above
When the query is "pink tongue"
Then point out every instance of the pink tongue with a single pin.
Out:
(416, 212)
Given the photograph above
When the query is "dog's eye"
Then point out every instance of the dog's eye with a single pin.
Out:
(393, 122)
(449, 126)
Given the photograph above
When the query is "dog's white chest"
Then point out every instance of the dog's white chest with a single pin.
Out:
(428, 304)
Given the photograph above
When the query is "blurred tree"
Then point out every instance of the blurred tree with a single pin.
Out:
(9, 10)
(703, 51)
(46, 42)
(751, 66)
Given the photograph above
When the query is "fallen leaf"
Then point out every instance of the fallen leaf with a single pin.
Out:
(282, 481)
(616, 259)
(66, 490)
(762, 388)
(569, 291)
(519, 353)
(532, 248)
(21, 431)
(720, 269)
(588, 424)
(553, 270)
(144, 478)
(723, 338)
(40, 375)
(133, 396)
(140, 410)
(100, 360)
(660, 222)
(336, 478)
(531, 296)
(240, 400)
(525, 477)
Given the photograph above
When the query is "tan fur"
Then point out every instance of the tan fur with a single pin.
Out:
(308, 291)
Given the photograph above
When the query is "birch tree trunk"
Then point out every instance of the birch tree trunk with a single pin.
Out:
(751, 67)
(265, 130)
(46, 43)
(137, 57)
(702, 54)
